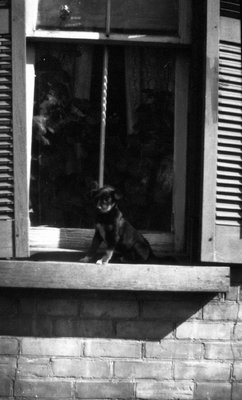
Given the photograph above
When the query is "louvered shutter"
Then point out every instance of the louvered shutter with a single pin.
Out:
(222, 196)
(13, 195)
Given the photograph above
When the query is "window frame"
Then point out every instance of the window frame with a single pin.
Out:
(170, 242)
(21, 223)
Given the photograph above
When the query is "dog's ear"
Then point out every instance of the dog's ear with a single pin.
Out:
(114, 192)
(117, 195)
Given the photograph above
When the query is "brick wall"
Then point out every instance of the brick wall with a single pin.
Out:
(111, 345)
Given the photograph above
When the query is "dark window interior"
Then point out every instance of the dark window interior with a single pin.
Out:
(66, 134)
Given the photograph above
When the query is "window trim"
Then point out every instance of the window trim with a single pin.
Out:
(180, 106)
(21, 200)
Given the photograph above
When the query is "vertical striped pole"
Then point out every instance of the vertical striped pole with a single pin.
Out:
(103, 117)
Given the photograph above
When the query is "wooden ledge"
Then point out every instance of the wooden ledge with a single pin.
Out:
(74, 275)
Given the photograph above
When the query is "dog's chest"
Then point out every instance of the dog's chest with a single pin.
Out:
(104, 229)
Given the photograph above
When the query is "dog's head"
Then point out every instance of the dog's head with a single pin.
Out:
(105, 198)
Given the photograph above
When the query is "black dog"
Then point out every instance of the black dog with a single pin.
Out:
(117, 233)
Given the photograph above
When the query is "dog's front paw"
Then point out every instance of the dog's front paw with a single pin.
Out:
(102, 261)
(85, 259)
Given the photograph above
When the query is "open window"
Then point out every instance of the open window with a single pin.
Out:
(83, 73)
(107, 112)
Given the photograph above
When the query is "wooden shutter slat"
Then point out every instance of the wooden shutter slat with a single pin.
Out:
(226, 85)
(5, 72)
(227, 197)
(230, 48)
(5, 152)
(230, 79)
(226, 54)
(6, 185)
(231, 182)
(234, 66)
(229, 149)
(235, 222)
(230, 157)
(228, 102)
(229, 214)
(232, 141)
(229, 72)
(6, 146)
(5, 161)
(230, 110)
(228, 206)
(5, 176)
(230, 134)
(229, 94)
(5, 201)
(229, 189)
(229, 126)
(229, 165)
(5, 96)
(234, 174)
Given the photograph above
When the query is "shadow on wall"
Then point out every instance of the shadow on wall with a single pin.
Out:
(103, 314)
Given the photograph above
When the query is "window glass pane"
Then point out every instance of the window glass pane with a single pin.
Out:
(66, 134)
(144, 16)
(127, 16)
(65, 140)
(86, 15)
(139, 143)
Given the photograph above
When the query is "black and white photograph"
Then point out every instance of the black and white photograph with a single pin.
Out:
(120, 200)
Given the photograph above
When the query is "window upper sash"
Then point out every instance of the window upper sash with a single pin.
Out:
(153, 21)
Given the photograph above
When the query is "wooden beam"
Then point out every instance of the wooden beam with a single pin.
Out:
(208, 252)
(74, 275)
(21, 200)
(96, 36)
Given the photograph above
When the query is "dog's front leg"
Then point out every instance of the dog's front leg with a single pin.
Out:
(106, 258)
(112, 239)
(96, 241)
